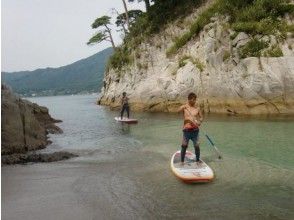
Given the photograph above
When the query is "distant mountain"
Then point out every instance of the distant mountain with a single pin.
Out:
(85, 75)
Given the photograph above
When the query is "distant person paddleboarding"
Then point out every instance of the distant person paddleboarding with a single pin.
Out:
(125, 105)
(192, 120)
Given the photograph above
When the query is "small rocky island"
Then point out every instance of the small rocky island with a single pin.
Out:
(24, 129)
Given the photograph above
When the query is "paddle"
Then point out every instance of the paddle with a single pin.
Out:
(210, 141)
(208, 138)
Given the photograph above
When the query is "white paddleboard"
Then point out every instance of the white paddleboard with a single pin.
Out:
(190, 172)
(126, 120)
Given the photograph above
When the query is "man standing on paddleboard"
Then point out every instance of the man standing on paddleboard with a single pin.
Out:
(192, 120)
(125, 105)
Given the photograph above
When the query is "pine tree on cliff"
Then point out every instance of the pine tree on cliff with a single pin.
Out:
(126, 14)
(120, 22)
(103, 34)
(132, 15)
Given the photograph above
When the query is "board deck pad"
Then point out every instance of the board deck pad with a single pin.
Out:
(126, 120)
(190, 172)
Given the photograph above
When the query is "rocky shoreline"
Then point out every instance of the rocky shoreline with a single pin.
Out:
(36, 157)
(25, 129)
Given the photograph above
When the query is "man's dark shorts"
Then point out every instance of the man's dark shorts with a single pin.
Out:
(190, 134)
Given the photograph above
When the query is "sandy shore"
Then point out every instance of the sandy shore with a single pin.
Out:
(62, 190)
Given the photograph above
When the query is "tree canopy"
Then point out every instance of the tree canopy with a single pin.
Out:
(104, 34)
(133, 15)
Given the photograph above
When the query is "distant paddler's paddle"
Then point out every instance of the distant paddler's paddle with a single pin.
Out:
(208, 138)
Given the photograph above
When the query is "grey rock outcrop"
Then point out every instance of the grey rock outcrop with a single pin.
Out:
(25, 125)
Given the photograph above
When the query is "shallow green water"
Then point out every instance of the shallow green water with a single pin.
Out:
(128, 165)
(253, 181)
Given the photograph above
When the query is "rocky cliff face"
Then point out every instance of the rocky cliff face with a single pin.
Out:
(210, 66)
(25, 125)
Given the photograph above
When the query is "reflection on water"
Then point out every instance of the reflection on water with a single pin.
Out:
(125, 128)
(130, 163)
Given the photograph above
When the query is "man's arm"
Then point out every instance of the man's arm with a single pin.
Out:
(181, 109)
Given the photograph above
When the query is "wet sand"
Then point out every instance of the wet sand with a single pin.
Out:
(61, 191)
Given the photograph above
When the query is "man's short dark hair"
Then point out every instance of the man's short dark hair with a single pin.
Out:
(192, 95)
(124, 93)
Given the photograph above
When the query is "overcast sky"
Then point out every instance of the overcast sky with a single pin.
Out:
(51, 33)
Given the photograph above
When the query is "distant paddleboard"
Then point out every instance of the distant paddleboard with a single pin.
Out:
(126, 120)
(190, 172)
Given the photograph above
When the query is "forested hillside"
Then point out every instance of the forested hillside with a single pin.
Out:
(85, 75)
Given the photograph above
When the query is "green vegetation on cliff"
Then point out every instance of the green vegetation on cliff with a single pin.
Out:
(250, 16)
(254, 17)
(158, 16)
